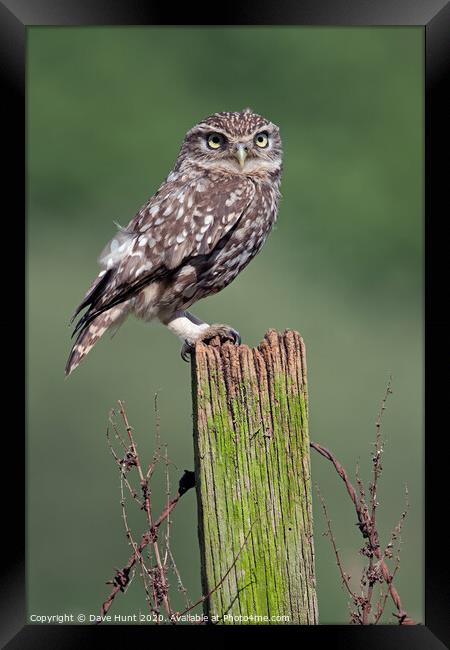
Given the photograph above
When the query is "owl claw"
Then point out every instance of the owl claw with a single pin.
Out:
(224, 332)
(235, 336)
(186, 351)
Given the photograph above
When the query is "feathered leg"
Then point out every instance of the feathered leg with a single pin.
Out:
(191, 330)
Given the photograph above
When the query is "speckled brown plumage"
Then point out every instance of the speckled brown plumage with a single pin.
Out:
(205, 223)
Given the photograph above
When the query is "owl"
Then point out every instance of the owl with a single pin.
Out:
(205, 223)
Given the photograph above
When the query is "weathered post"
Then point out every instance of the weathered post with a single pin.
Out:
(253, 480)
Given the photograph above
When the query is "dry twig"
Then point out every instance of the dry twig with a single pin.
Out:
(154, 576)
(377, 570)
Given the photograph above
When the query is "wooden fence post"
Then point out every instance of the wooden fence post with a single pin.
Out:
(253, 480)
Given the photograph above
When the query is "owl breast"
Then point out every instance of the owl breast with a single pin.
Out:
(209, 274)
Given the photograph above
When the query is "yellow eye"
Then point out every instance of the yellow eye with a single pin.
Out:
(215, 141)
(262, 139)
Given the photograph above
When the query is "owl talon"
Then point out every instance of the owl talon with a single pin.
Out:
(224, 332)
(186, 351)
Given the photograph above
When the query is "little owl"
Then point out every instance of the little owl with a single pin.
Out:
(205, 223)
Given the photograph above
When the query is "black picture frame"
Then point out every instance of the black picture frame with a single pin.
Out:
(434, 17)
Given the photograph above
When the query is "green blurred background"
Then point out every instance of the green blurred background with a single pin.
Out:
(107, 111)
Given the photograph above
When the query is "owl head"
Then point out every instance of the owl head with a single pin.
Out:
(236, 142)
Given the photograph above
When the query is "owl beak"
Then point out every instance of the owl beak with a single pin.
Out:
(241, 154)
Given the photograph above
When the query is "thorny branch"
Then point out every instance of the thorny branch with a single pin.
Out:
(154, 577)
(159, 582)
(377, 570)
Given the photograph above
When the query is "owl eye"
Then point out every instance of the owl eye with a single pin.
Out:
(215, 140)
(262, 139)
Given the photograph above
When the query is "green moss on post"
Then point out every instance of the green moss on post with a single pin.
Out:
(253, 479)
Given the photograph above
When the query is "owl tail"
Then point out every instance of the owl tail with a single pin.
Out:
(89, 336)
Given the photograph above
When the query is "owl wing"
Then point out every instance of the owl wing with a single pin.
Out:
(181, 221)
